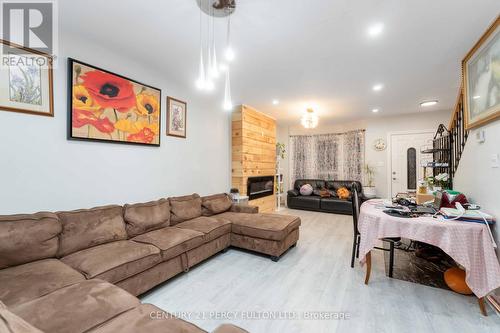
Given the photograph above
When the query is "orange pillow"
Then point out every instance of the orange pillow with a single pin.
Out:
(343, 193)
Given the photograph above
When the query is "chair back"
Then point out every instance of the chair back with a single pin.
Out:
(355, 208)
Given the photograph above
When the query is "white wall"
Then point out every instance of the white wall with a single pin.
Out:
(475, 177)
(376, 127)
(42, 170)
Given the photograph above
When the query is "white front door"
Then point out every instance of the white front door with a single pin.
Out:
(406, 160)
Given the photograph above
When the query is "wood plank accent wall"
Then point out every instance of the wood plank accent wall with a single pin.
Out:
(253, 151)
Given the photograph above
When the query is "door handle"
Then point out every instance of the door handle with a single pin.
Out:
(393, 178)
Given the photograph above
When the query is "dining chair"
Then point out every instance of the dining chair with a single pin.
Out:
(357, 235)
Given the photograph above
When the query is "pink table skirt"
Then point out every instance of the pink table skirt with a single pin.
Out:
(469, 244)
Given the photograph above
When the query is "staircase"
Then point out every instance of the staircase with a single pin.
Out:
(458, 134)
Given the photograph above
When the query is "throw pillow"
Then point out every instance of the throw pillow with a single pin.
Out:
(306, 189)
(343, 193)
(324, 193)
(215, 204)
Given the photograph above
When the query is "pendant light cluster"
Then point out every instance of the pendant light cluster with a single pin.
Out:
(209, 67)
(310, 119)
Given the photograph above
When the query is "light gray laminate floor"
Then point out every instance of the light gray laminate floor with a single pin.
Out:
(315, 276)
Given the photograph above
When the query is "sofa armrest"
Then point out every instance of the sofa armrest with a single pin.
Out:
(293, 193)
(239, 208)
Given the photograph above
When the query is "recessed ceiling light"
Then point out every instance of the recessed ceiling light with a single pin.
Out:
(378, 87)
(476, 97)
(375, 110)
(375, 29)
(428, 103)
(276, 102)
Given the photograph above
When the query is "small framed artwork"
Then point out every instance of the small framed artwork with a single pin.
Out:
(481, 74)
(176, 117)
(108, 107)
(26, 83)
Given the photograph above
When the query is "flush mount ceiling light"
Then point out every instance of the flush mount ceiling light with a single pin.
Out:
(375, 110)
(428, 103)
(276, 101)
(310, 119)
(378, 87)
(375, 29)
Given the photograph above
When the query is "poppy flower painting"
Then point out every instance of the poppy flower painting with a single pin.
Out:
(109, 107)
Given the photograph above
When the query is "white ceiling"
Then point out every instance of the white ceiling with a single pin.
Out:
(303, 51)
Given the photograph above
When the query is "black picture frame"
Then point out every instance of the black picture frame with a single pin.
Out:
(70, 136)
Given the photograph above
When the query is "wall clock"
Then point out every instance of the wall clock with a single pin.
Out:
(379, 145)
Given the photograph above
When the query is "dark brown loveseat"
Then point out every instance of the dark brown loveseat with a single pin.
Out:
(80, 271)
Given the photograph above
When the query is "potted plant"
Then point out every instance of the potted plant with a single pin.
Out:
(439, 182)
(369, 189)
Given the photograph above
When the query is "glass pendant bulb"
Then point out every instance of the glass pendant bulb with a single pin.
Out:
(200, 82)
(229, 52)
(228, 103)
(215, 66)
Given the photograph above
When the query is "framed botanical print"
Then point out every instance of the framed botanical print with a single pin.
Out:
(176, 117)
(481, 74)
(108, 107)
(26, 81)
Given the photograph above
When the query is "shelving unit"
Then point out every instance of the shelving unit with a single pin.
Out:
(441, 153)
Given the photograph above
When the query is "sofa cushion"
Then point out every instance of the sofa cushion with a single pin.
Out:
(228, 328)
(172, 241)
(76, 308)
(212, 227)
(146, 318)
(336, 184)
(114, 261)
(215, 204)
(10, 323)
(85, 228)
(26, 282)
(184, 208)
(28, 237)
(310, 202)
(144, 217)
(262, 225)
(336, 205)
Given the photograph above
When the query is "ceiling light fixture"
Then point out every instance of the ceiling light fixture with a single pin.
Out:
(310, 119)
(210, 70)
(228, 103)
(375, 110)
(276, 102)
(375, 29)
(476, 97)
(428, 103)
(378, 87)
(200, 82)
(229, 53)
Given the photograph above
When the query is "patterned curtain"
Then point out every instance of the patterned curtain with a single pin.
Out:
(327, 156)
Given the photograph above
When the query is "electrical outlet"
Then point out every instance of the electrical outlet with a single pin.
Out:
(495, 161)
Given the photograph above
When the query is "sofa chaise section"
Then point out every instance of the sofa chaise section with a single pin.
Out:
(76, 308)
(271, 234)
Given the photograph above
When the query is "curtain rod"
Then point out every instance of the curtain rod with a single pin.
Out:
(337, 133)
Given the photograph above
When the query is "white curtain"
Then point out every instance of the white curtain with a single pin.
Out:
(336, 156)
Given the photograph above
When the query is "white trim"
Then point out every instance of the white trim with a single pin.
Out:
(389, 151)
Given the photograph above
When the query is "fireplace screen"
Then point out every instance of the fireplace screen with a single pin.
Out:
(259, 187)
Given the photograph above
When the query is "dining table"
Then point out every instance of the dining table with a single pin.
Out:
(469, 244)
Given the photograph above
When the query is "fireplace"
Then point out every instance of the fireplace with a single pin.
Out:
(259, 187)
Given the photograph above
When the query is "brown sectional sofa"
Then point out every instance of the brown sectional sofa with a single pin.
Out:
(80, 271)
